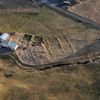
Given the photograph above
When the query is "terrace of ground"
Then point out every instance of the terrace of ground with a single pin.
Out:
(65, 36)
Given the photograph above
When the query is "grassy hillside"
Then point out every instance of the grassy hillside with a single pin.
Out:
(46, 22)
(66, 83)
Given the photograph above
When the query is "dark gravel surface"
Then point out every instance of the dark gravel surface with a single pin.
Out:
(5, 51)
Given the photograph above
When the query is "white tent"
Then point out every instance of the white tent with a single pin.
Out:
(13, 45)
(5, 44)
(4, 36)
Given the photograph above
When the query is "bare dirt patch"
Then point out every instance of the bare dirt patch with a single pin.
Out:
(49, 84)
(89, 9)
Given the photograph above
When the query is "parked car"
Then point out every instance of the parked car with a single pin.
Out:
(70, 2)
(67, 3)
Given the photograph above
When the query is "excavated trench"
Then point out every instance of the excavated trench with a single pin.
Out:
(87, 55)
(95, 60)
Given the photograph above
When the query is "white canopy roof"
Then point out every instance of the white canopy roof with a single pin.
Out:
(13, 45)
(4, 36)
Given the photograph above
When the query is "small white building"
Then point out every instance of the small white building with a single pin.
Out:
(4, 37)
(5, 42)
(13, 45)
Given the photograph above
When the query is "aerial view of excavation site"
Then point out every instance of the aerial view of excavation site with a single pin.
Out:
(49, 50)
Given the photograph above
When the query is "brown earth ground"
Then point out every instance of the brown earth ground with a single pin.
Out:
(88, 8)
(65, 83)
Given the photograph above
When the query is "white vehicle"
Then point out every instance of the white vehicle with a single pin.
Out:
(67, 2)
(70, 2)
(4, 36)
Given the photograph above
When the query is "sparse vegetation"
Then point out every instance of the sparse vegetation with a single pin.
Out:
(59, 87)
(66, 83)
(53, 83)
